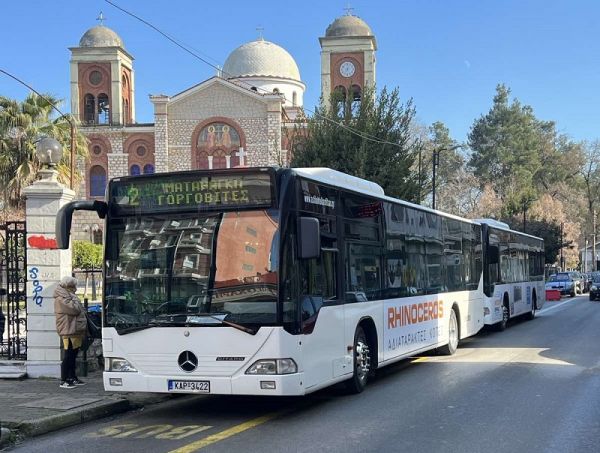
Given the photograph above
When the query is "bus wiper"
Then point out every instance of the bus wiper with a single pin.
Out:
(228, 323)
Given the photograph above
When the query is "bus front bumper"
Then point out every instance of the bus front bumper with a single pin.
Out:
(288, 384)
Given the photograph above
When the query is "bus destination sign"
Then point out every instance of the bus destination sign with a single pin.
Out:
(193, 191)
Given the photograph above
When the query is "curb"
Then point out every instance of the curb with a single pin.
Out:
(70, 418)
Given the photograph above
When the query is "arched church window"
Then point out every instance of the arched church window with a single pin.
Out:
(134, 170)
(339, 99)
(276, 91)
(294, 99)
(89, 109)
(126, 118)
(103, 109)
(217, 146)
(148, 169)
(356, 95)
(97, 181)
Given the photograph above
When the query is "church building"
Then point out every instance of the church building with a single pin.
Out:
(239, 117)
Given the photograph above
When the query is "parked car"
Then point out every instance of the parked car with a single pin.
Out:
(565, 282)
(595, 288)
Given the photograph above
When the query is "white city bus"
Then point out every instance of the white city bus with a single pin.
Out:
(269, 281)
(514, 274)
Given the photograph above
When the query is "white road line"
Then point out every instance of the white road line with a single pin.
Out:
(546, 310)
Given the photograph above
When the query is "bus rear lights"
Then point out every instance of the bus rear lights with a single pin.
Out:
(273, 366)
(268, 385)
(115, 382)
(119, 365)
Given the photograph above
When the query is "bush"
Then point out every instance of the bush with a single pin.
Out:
(87, 255)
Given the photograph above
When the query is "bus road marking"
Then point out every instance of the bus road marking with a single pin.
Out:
(213, 438)
(135, 431)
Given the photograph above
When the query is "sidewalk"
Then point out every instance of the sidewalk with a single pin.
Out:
(31, 407)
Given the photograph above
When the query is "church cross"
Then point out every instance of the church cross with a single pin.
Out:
(101, 18)
(348, 9)
(260, 30)
(241, 154)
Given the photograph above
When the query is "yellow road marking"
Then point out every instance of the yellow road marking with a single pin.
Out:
(420, 359)
(201, 443)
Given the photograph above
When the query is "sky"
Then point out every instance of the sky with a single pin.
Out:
(447, 55)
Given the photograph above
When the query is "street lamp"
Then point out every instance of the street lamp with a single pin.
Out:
(91, 228)
(436, 162)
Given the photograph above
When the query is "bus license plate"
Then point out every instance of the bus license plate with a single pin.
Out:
(189, 386)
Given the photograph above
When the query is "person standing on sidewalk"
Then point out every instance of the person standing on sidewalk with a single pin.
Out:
(71, 325)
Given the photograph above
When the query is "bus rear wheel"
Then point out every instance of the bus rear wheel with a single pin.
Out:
(500, 326)
(453, 335)
(362, 362)
(530, 315)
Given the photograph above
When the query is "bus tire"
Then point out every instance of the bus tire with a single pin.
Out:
(501, 326)
(531, 314)
(453, 335)
(362, 361)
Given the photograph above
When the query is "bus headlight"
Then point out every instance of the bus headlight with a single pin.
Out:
(117, 364)
(594, 288)
(273, 366)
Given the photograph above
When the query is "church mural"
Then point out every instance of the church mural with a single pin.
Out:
(218, 146)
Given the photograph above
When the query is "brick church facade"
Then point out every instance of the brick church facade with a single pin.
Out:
(240, 117)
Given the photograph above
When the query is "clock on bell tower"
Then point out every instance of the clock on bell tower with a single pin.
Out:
(347, 56)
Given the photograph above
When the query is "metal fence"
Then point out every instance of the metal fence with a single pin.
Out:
(13, 285)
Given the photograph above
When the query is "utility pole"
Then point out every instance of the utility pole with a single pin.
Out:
(562, 259)
(594, 259)
(436, 162)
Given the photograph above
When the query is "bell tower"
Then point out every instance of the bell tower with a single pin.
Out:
(347, 57)
(102, 78)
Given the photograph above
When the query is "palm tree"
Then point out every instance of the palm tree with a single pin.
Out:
(22, 124)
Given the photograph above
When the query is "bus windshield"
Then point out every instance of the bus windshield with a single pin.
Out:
(169, 269)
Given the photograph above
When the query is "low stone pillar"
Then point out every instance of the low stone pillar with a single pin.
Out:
(46, 265)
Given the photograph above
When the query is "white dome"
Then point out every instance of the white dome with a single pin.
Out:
(348, 26)
(100, 36)
(261, 58)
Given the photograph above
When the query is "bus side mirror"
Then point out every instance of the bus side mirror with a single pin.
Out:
(65, 217)
(309, 238)
(493, 254)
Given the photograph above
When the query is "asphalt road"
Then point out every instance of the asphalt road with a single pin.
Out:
(533, 388)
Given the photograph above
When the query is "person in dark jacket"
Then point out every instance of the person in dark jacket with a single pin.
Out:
(71, 325)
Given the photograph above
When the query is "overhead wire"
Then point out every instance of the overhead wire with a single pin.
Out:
(188, 49)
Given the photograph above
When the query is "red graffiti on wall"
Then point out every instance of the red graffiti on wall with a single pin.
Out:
(41, 242)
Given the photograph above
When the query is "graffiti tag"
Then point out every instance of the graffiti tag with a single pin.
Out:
(37, 286)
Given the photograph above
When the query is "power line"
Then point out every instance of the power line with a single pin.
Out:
(188, 49)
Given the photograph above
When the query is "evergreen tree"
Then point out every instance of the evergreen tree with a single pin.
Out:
(370, 139)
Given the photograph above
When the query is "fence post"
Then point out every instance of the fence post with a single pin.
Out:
(45, 267)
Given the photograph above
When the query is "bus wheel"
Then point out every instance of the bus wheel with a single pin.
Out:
(362, 362)
(453, 336)
(500, 326)
(529, 316)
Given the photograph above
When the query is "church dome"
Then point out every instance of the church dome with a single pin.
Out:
(348, 26)
(100, 36)
(260, 58)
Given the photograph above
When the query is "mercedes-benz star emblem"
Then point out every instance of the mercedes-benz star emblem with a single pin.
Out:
(187, 361)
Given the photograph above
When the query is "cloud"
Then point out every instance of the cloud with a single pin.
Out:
(467, 64)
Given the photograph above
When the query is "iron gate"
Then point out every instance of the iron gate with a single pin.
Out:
(13, 296)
